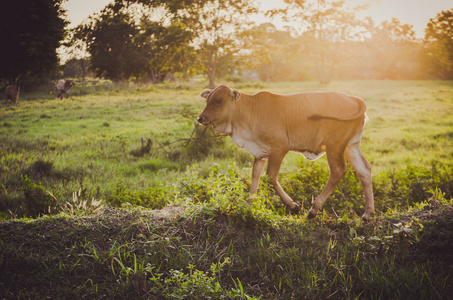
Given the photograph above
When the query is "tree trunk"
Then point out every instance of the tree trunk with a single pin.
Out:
(211, 77)
(211, 69)
(156, 77)
(83, 66)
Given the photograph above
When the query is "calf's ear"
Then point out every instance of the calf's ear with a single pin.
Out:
(235, 94)
(205, 94)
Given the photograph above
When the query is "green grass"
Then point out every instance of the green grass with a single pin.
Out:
(213, 251)
(80, 164)
(88, 141)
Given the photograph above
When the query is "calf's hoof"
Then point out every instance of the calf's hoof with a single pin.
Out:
(366, 217)
(311, 215)
(295, 210)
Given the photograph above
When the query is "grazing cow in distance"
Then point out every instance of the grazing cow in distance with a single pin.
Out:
(313, 123)
(12, 92)
(63, 87)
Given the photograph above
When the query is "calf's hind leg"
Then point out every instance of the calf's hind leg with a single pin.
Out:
(363, 168)
(338, 169)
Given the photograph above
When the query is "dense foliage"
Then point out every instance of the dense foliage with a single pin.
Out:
(438, 44)
(135, 39)
(113, 53)
(157, 40)
(324, 41)
(31, 32)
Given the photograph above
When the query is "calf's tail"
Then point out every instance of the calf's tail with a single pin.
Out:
(359, 114)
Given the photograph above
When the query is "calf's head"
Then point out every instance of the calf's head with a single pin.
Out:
(220, 105)
(69, 84)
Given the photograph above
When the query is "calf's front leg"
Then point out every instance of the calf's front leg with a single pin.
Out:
(273, 167)
(258, 166)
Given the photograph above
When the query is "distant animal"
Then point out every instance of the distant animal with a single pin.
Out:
(12, 92)
(144, 149)
(270, 125)
(63, 87)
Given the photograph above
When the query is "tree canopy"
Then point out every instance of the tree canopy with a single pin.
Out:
(438, 45)
(144, 40)
(148, 39)
(31, 32)
(216, 26)
(166, 49)
(112, 49)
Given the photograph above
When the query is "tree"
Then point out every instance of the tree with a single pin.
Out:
(135, 39)
(167, 49)
(110, 44)
(275, 53)
(438, 45)
(216, 24)
(76, 49)
(390, 51)
(325, 25)
(31, 32)
(210, 27)
(76, 68)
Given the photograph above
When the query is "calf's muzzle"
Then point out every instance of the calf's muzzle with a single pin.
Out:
(202, 120)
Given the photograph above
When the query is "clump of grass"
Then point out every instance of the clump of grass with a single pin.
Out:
(36, 200)
(154, 197)
(80, 205)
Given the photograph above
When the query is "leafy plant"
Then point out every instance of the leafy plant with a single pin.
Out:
(196, 284)
(155, 197)
(37, 201)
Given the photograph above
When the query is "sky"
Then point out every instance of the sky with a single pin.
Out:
(413, 12)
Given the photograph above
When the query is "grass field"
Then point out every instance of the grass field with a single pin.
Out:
(84, 163)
